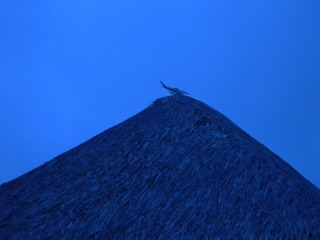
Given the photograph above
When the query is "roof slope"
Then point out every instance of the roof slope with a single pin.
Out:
(177, 170)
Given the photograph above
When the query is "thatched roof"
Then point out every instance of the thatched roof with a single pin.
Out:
(177, 170)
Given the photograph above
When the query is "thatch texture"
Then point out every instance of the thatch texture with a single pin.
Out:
(177, 170)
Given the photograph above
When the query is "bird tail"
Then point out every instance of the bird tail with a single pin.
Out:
(163, 85)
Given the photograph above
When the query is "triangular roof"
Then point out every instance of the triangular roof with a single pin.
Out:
(177, 170)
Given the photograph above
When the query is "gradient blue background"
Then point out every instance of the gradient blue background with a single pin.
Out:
(71, 69)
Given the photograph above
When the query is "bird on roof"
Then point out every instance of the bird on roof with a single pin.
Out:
(174, 91)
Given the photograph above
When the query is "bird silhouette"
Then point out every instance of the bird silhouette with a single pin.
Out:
(173, 91)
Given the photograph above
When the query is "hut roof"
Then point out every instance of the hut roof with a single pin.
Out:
(177, 170)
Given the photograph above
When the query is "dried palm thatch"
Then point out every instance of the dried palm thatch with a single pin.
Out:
(177, 170)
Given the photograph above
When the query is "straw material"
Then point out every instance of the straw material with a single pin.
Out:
(177, 170)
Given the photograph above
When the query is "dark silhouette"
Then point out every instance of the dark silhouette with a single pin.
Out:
(173, 91)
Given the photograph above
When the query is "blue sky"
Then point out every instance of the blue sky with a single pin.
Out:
(71, 69)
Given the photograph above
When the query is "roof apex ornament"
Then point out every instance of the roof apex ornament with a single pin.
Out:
(174, 91)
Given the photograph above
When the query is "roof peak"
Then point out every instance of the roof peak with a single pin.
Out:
(178, 168)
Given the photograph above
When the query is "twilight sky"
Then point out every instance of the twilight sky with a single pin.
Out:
(72, 69)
